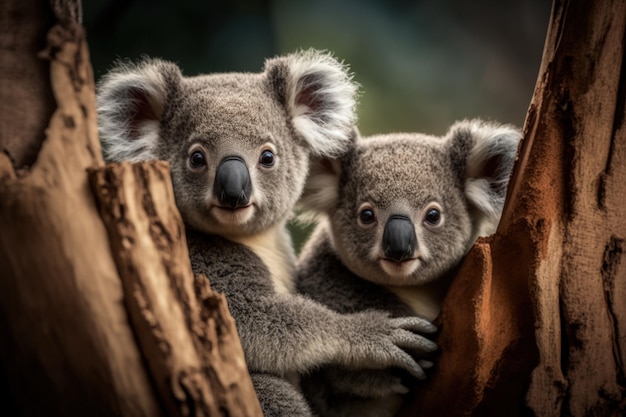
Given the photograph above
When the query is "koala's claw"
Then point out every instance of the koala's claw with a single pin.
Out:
(425, 364)
(414, 324)
(408, 340)
(381, 342)
(404, 360)
(397, 388)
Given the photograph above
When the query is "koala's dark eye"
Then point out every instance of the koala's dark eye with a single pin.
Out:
(197, 160)
(433, 217)
(267, 158)
(367, 216)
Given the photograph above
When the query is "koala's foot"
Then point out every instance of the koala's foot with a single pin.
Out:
(278, 397)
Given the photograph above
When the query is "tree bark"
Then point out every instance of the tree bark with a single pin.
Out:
(74, 340)
(184, 329)
(24, 80)
(535, 322)
(65, 337)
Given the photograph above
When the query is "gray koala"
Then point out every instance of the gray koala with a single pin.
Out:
(239, 146)
(396, 215)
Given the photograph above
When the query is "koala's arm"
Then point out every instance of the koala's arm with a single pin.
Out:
(322, 277)
(283, 333)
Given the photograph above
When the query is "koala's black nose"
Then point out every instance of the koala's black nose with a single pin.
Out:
(399, 239)
(232, 185)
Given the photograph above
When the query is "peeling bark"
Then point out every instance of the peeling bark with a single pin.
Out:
(535, 322)
(66, 345)
(69, 327)
(198, 367)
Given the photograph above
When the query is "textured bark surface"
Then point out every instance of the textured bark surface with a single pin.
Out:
(67, 345)
(185, 330)
(535, 322)
(24, 80)
(67, 348)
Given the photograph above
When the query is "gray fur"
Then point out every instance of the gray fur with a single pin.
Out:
(301, 105)
(463, 174)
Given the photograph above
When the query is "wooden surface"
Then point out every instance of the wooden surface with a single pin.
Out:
(185, 329)
(25, 79)
(66, 344)
(535, 322)
(75, 340)
(577, 197)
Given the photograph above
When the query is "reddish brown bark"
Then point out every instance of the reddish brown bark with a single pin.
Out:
(535, 322)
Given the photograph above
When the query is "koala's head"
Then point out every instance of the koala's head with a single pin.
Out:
(404, 208)
(238, 144)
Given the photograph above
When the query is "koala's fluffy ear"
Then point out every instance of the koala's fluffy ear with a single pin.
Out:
(131, 101)
(321, 190)
(484, 152)
(319, 96)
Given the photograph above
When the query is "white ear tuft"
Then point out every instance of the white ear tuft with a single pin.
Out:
(131, 100)
(487, 152)
(488, 206)
(492, 141)
(321, 191)
(320, 97)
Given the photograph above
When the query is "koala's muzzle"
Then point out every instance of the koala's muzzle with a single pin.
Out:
(232, 185)
(399, 239)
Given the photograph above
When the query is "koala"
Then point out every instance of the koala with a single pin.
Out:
(239, 146)
(396, 215)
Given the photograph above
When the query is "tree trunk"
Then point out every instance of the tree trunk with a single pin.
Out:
(535, 322)
(185, 331)
(74, 339)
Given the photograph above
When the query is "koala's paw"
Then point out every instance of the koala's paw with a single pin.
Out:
(365, 383)
(381, 342)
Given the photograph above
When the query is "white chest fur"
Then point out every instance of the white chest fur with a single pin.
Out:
(425, 301)
(274, 248)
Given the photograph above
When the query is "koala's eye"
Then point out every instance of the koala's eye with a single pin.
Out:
(367, 216)
(197, 160)
(267, 158)
(433, 217)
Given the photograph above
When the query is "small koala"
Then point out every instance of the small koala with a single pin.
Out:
(239, 146)
(396, 215)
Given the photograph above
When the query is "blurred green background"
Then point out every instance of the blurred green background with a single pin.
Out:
(421, 64)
